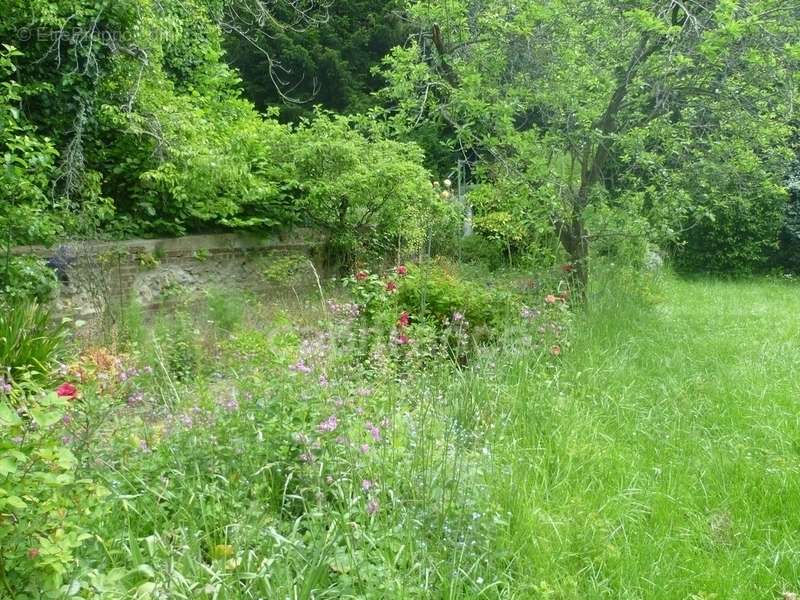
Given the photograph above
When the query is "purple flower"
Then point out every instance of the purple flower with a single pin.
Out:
(135, 398)
(231, 404)
(5, 386)
(374, 431)
(66, 419)
(372, 507)
(300, 367)
(328, 425)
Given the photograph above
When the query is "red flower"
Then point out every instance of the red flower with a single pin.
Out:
(404, 319)
(402, 271)
(568, 267)
(67, 390)
(555, 350)
(391, 287)
(362, 276)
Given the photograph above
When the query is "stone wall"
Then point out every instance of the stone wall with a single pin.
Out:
(155, 273)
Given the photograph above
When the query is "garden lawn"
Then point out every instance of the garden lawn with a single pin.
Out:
(663, 458)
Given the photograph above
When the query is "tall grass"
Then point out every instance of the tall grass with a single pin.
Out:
(660, 458)
(30, 341)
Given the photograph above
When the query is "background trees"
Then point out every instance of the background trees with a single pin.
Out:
(579, 124)
(665, 110)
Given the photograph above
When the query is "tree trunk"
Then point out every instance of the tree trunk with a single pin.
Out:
(575, 241)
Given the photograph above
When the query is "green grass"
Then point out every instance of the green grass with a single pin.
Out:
(662, 459)
(657, 457)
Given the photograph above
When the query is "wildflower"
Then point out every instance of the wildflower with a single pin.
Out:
(300, 367)
(366, 485)
(401, 340)
(555, 350)
(66, 440)
(401, 270)
(404, 320)
(67, 390)
(362, 276)
(372, 507)
(328, 425)
(448, 184)
(306, 457)
(5, 386)
(391, 287)
(66, 419)
(323, 381)
(374, 431)
(457, 316)
(364, 448)
(135, 398)
(231, 404)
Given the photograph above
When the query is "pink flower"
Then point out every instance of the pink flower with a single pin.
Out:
(67, 390)
(374, 431)
(328, 425)
(401, 340)
(401, 270)
(391, 287)
(372, 507)
(300, 367)
(404, 320)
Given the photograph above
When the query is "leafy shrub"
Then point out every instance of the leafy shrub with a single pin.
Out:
(43, 505)
(26, 278)
(30, 342)
(434, 291)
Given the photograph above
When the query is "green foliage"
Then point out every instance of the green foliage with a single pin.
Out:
(26, 278)
(30, 343)
(370, 197)
(44, 503)
(630, 107)
(324, 60)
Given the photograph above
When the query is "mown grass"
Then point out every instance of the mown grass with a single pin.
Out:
(662, 458)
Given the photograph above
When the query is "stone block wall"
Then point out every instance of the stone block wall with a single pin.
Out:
(155, 273)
